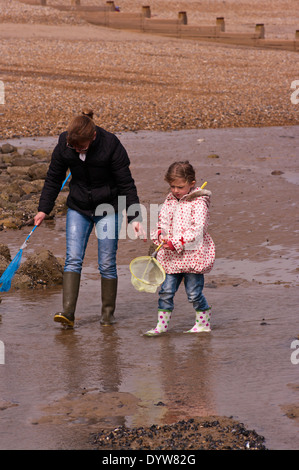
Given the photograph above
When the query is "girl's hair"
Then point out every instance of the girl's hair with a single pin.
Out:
(183, 170)
(81, 128)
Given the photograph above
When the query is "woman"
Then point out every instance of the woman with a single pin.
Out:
(99, 165)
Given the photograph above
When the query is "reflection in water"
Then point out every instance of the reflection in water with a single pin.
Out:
(91, 364)
(191, 375)
(76, 356)
(186, 378)
(68, 343)
(109, 360)
(175, 381)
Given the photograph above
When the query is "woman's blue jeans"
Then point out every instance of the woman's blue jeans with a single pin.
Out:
(78, 230)
(194, 284)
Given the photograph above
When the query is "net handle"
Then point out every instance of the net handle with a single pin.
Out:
(154, 254)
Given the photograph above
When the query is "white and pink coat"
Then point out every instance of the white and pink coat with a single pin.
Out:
(185, 223)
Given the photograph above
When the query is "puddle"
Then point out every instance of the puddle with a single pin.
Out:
(280, 270)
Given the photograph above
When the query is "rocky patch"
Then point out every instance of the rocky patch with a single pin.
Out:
(21, 181)
(211, 433)
(42, 269)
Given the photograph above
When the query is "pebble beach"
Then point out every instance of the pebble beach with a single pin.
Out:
(142, 82)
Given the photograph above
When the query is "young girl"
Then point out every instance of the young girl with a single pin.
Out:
(188, 250)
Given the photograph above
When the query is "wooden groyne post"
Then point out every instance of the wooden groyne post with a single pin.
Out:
(182, 17)
(220, 24)
(110, 5)
(260, 31)
(146, 11)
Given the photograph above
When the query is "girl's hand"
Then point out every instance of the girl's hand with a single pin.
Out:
(165, 242)
(166, 246)
(162, 238)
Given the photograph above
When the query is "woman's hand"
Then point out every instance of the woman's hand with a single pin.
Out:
(139, 230)
(39, 218)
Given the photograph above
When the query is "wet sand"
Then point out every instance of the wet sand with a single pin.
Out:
(70, 384)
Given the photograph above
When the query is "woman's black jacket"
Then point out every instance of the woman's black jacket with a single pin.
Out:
(100, 179)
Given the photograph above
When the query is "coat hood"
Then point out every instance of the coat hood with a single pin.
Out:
(193, 194)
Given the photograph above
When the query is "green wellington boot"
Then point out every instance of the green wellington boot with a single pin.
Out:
(71, 284)
(109, 291)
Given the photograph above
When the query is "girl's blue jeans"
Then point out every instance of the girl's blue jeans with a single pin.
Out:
(194, 284)
(78, 230)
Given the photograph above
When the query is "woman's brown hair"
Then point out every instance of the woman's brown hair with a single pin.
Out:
(183, 170)
(81, 128)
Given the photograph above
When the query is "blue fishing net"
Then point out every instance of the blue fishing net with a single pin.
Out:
(7, 276)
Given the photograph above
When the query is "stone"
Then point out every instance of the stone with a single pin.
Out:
(4, 252)
(43, 268)
(9, 222)
(34, 186)
(17, 171)
(23, 160)
(8, 148)
(41, 153)
(38, 171)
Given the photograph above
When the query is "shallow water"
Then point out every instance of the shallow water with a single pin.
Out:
(57, 386)
(242, 369)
